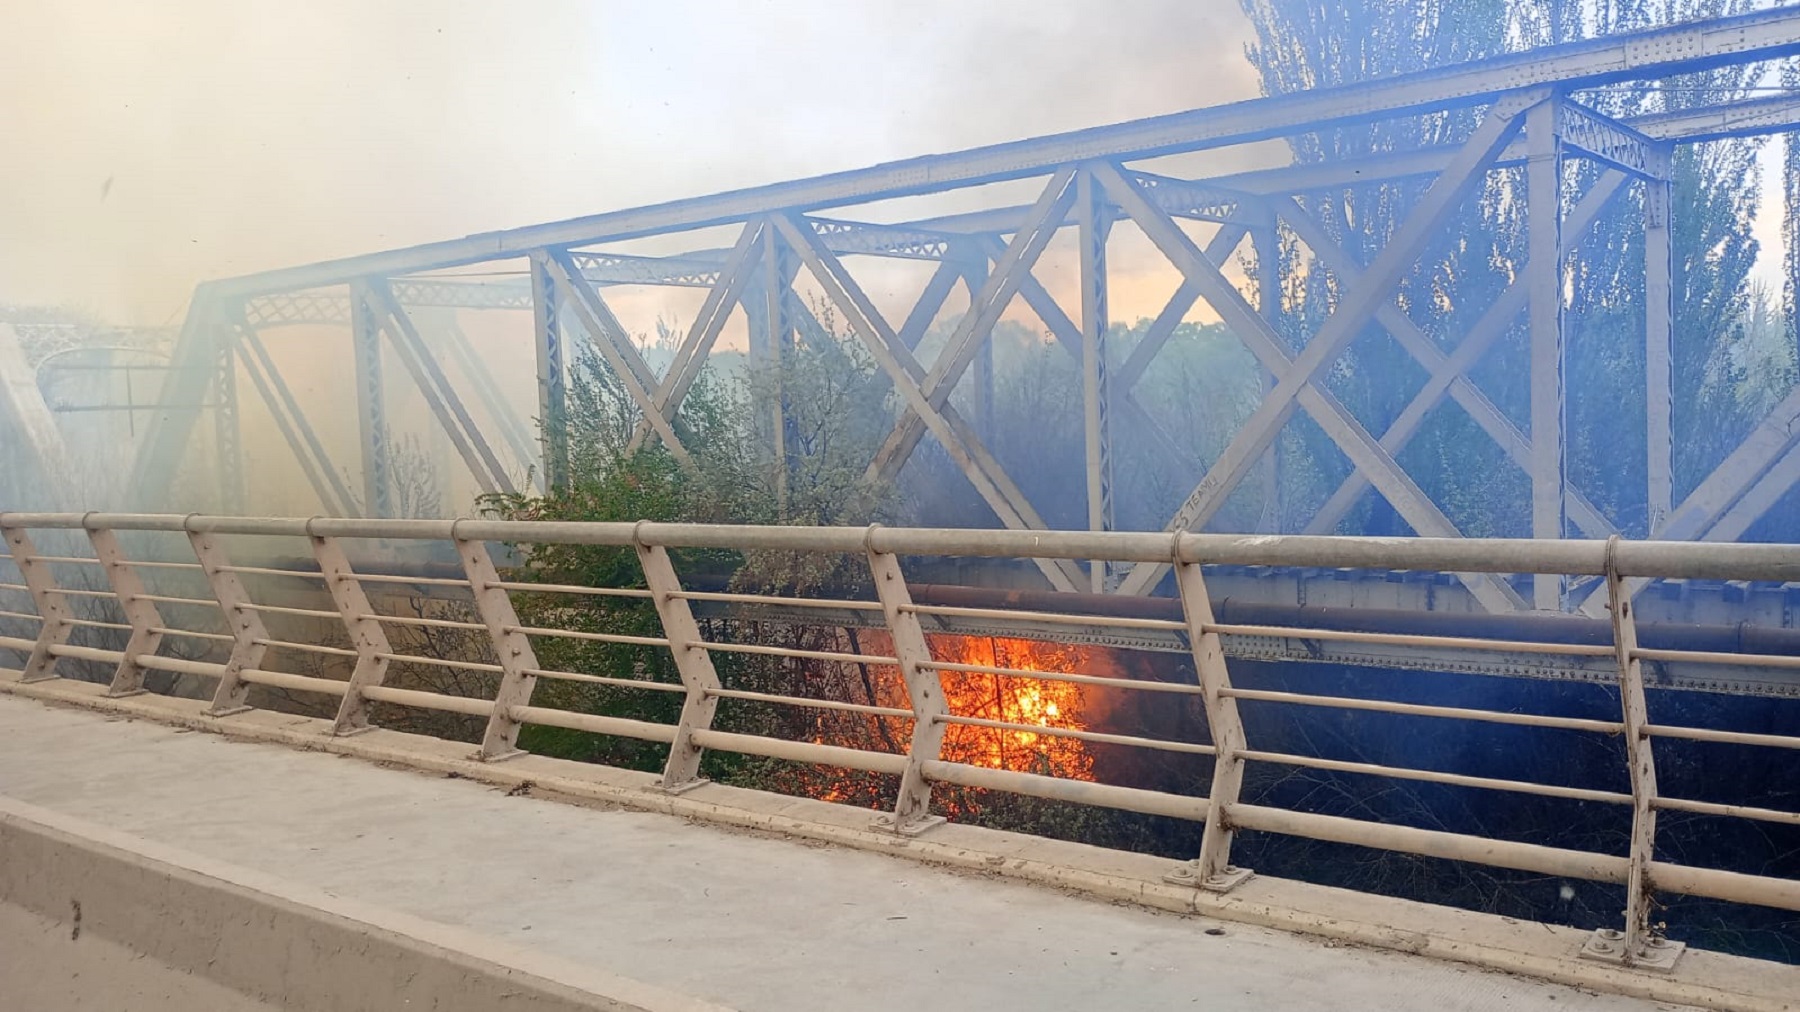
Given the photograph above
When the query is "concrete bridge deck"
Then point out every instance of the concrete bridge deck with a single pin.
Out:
(745, 920)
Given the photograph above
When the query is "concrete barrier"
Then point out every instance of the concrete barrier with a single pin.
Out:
(276, 941)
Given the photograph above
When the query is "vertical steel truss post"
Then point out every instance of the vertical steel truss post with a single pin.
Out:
(1212, 870)
(1641, 943)
(777, 334)
(1094, 221)
(974, 277)
(1266, 242)
(227, 429)
(52, 607)
(692, 661)
(511, 647)
(1659, 334)
(607, 336)
(924, 686)
(371, 403)
(128, 677)
(1544, 269)
(249, 640)
(366, 635)
(440, 395)
(552, 376)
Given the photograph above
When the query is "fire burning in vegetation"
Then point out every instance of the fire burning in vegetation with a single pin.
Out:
(1011, 699)
(1024, 702)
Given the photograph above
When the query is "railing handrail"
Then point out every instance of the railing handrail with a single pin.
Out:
(1774, 563)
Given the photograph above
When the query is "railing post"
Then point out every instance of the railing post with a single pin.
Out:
(52, 607)
(692, 661)
(128, 677)
(1641, 944)
(1212, 870)
(248, 637)
(366, 635)
(912, 812)
(512, 647)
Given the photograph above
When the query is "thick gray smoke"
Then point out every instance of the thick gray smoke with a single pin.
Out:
(160, 144)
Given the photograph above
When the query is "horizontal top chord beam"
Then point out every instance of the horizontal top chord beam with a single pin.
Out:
(1684, 48)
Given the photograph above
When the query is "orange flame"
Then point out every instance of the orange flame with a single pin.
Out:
(1012, 699)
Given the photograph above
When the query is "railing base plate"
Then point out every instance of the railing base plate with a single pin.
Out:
(1230, 879)
(32, 679)
(351, 732)
(229, 711)
(1607, 945)
(683, 787)
(499, 757)
(911, 827)
(127, 694)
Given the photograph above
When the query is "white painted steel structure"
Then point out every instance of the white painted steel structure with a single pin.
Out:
(241, 662)
(1092, 180)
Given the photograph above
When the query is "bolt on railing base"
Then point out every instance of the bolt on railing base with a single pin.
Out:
(1607, 945)
(911, 827)
(1224, 882)
(229, 711)
(683, 787)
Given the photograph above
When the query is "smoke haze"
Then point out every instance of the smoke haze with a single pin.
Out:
(156, 145)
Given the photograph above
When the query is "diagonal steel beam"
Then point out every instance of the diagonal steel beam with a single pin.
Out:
(1448, 374)
(977, 325)
(1068, 336)
(608, 330)
(1353, 312)
(314, 462)
(1364, 452)
(599, 322)
(691, 356)
(950, 271)
(958, 439)
(493, 400)
(1175, 310)
(930, 302)
(1758, 499)
(439, 394)
(1744, 473)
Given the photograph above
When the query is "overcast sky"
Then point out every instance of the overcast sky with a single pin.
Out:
(152, 145)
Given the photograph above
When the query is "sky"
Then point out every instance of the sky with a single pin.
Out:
(152, 146)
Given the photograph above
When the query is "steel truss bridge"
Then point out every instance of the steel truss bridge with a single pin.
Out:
(1090, 181)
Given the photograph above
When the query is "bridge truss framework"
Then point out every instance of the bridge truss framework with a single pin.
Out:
(1090, 182)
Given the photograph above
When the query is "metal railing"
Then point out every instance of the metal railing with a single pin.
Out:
(921, 763)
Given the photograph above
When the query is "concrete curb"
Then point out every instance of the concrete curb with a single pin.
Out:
(1546, 952)
(281, 942)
